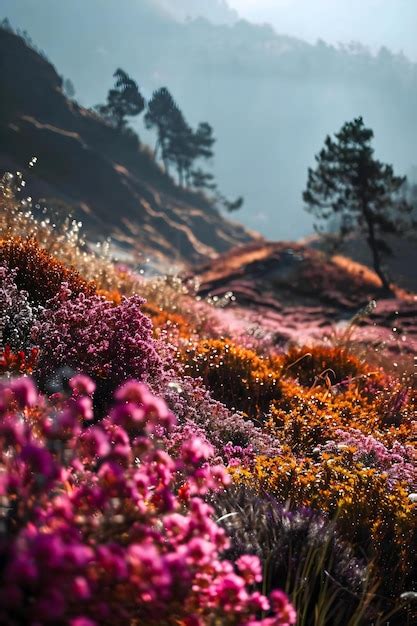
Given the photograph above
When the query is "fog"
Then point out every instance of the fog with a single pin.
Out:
(374, 23)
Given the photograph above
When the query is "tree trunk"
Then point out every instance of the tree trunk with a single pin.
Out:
(155, 152)
(376, 257)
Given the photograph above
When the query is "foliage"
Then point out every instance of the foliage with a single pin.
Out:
(321, 365)
(295, 546)
(236, 376)
(362, 192)
(38, 273)
(17, 314)
(124, 100)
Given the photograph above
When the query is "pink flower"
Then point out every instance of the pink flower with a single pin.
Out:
(82, 385)
(81, 588)
(283, 608)
(83, 406)
(24, 391)
(96, 442)
(195, 451)
(40, 461)
(250, 568)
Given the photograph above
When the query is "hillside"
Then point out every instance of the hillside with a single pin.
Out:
(270, 98)
(171, 462)
(298, 294)
(109, 182)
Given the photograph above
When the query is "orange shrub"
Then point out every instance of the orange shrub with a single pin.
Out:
(320, 365)
(304, 418)
(236, 376)
(18, 362)
(369, 512)
(166, 320)
(39, 273)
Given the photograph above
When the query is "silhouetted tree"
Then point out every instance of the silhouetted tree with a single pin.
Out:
(233, 205)
(180, 148)
(204, 141)
(6, 25)
(364, 194)
(202, 180)
(176, 141)
(124, 100)
(160, 115)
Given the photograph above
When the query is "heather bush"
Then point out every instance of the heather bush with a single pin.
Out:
(101, 526)
(398, 461)
(38, 273)
(109, 342)
(17, 313)
(236, 376)
(322, 365)
(305, 418)
(232, 435)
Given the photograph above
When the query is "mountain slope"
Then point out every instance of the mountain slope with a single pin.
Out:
(296, 293)
(270, 98)
(115, 187)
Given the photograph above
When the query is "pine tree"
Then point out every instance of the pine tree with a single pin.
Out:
(202, 180)
(204, 141)
(161, 113)
(124, 100)
(181, 151)
(363, 193)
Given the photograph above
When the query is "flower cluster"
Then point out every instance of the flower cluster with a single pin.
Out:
(111, 343)
(100, 525)
(232, 434)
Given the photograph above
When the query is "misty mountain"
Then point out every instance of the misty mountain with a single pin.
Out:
(270, 98)
(375, 23)
(216, 11)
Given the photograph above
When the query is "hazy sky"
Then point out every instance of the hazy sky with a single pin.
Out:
(375, 23)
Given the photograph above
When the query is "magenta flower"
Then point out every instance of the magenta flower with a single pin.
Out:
(250, 568)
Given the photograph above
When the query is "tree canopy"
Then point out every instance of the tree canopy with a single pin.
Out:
(124, 100)
(362, 193)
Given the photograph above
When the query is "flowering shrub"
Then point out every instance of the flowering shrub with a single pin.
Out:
(322, 365)
(236, 376)
(232, 435)
(102, 526)
(399, 461)
(17, 314)
(171, 322)
(37, 272)
(111, 343)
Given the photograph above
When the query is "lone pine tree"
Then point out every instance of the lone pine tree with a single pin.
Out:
(363, 194)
